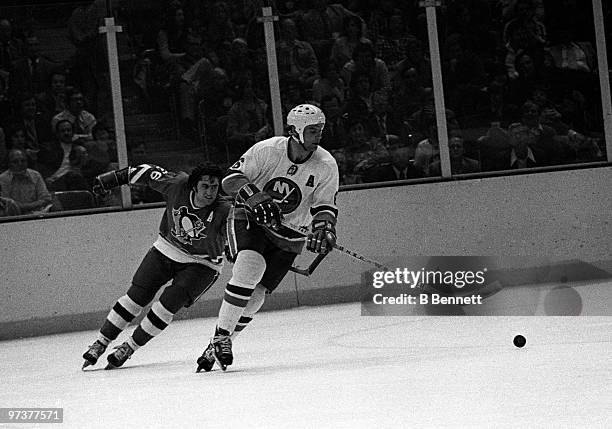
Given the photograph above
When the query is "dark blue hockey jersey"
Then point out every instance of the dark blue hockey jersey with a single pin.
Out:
(187, 233)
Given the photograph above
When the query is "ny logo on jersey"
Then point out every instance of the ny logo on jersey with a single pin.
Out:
(188, 226)
(285, 193)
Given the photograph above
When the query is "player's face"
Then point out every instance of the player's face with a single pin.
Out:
(206, 191)
(312, 136)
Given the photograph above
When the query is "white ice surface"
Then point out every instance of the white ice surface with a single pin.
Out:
(329, 367)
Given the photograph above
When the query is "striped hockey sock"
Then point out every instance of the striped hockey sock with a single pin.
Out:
(257, 299)
(242, 323)
(234, 301)
(157, 319)
(122, 313)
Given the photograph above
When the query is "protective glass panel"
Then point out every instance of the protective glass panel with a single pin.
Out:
(521, 84)
(607, 19)
(372, 69)
(55, 113)
(194, 81)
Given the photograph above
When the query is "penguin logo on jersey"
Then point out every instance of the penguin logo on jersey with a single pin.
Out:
(285, 193)
(187, 226)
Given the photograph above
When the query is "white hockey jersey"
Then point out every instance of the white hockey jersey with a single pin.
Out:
(300, 189)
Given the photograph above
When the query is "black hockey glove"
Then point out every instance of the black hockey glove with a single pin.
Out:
(264, 208)
(103, 183)
(323, 237)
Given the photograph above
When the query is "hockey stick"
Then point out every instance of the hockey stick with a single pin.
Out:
(304, 232)
(313, 265)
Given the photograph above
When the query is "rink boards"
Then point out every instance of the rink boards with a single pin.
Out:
(62, 274)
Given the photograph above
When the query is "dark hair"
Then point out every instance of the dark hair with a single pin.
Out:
(330, 97)
(528, 105)
(528, 3)
(356, 76)
(72, 90)
(15, 150)
(455, 133)
(100, 126)
(55, 72)
(169, 24)
(15, 129)
(363, 46)
(76, 154)
(204, 169)
(355, 119)
(394, 141)
(290, 83)
(352, 19)
(326, 66)
(61, 121)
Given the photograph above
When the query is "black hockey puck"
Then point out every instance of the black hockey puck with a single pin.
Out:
(519, 341)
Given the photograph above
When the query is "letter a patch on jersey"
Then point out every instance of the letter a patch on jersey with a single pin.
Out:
(310, 182)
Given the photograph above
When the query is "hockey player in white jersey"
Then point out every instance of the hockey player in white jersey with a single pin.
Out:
(289, 178)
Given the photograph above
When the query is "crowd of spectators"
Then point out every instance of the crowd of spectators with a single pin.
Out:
(54, 134)
(520, 82)
(505, 63)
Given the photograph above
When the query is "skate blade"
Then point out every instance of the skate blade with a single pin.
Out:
(201, 368)
(221, 365)
(111, 366)
(86, 364)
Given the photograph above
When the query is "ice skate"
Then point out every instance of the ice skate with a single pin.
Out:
(119, 356)
(91, 356)
(222, 348)
(207, 360)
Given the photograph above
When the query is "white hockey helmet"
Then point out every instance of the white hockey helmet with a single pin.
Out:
(303, 115)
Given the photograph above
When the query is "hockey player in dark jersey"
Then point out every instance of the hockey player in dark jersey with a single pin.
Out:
(289, 178)
(188, 251)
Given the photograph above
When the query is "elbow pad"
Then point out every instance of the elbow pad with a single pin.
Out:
(107, 181)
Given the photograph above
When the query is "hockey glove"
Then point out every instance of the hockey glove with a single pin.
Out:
(323, 237)
(103, 183)
(262, 206)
